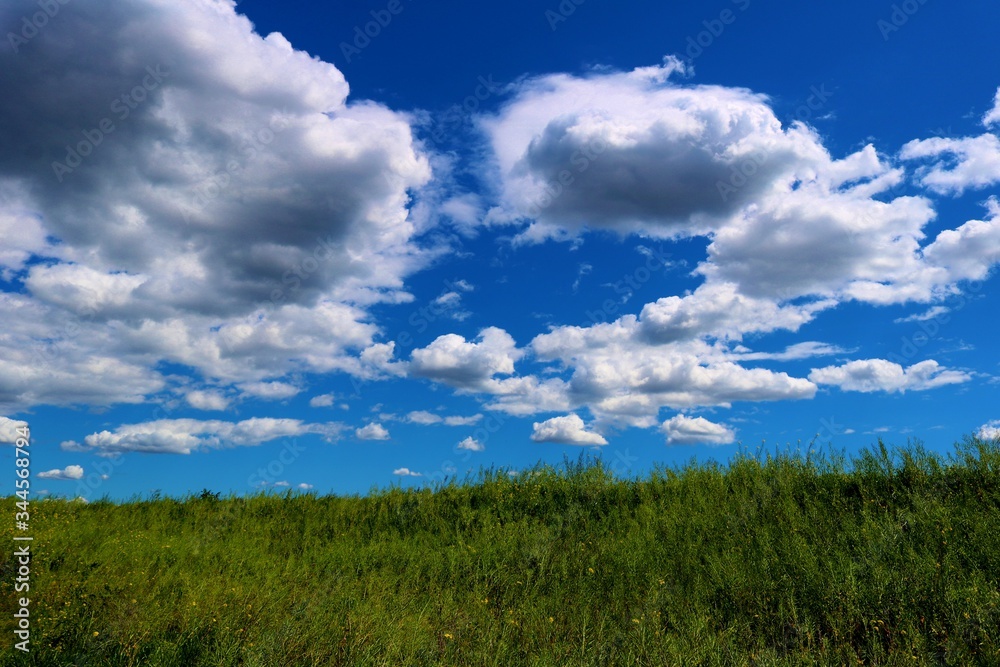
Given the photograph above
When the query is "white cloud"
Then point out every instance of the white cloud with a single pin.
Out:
(406, 472)
(719, 310)
(457, 420)
(472, 445)
(428, 418)
(183, 436)
(239, 220)
(568, 430)
(636, 152)
(957, 164)
(796, 352)
(621, 377)
(67, 473)
(682, 430)
(322, 401)
(467, 365)
(269, 391)
(423, 417)
(993, 115)
(305, 487)
(871, 375)
(206, 400)
(929, 314)
(990, 431)
(372, 431)
(8, 429)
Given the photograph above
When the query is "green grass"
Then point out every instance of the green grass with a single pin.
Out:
(890, 559)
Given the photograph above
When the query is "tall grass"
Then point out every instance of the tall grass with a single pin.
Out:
(892, 558)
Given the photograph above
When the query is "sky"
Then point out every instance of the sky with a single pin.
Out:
(331, 247)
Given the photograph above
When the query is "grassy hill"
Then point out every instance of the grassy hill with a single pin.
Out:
(890, 559)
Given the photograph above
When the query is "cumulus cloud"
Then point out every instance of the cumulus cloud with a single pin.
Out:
(183, 436)
(956, 164)
(406, 472)
(423, 417)
(472, 445)
(683, 430)
(206, 400)
(993, 115)
(8, 429)
(215, 201)
(622, 377)
(568, 430)
(305, 487)
(322, 401)
(269, 391)
(636, 152)
(458, 420)
(467, 365)
(871, 375)
(803, 350)
(372, 431)
(67, 473)
(990, 431)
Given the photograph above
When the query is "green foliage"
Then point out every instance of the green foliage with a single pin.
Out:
(891, 559)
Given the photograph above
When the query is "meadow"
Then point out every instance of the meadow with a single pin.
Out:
(888, 558)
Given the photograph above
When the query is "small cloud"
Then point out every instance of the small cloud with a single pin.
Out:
(206, 400)
(67, 473)
(568, 430)
(682, 430)
(990, 431)
(322, 401)
(423, 417)
(463, 421)
(282, 483)
(472, 445)
(305, 487)
(936, 311)
(269, 391)
(405, 472)
(8, 430)
(372, 431)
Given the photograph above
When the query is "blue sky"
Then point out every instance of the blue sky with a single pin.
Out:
(332, 246)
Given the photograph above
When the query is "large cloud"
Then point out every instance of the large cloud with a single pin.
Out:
(634, 152)
(183, 436)
(870, 375)
(213, 199)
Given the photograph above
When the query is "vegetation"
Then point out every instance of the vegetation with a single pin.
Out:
(892, 558)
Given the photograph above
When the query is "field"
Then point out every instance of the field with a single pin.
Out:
(891, 558)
